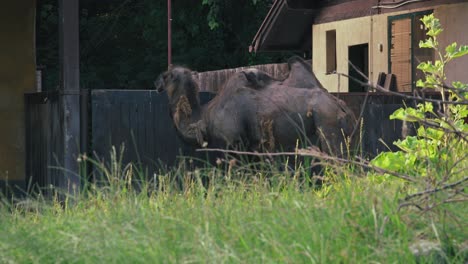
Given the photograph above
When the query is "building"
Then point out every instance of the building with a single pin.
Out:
(18, 78)
(374, 35)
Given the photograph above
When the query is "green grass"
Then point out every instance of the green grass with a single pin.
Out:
(249, 218)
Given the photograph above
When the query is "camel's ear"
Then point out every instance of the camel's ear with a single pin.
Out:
(251, 78)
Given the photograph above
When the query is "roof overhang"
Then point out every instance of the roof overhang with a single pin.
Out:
(287, 26)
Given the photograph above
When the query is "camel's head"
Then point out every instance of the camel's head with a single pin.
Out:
(177, 81)
(181, 89)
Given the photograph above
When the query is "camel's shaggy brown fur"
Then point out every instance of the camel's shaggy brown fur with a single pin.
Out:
(183, 109)
(309, 111)
(268, 137)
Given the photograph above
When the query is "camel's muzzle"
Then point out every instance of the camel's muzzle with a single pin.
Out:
(159, 84)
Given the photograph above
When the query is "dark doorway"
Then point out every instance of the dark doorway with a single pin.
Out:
(359, 57)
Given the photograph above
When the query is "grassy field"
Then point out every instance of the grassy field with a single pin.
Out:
(242, 217)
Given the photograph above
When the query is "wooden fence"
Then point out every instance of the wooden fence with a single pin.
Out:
(139, 121)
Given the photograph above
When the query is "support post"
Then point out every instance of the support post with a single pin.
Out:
(69, 93)
(169, 34)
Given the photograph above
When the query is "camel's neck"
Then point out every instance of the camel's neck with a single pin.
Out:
(187, 116)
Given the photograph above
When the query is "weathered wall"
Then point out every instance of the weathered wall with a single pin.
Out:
(17, 76)
(454, 20)
(374, 31)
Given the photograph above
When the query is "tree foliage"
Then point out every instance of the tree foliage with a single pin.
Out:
(123, 43)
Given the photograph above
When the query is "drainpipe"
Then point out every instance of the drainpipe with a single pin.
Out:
(169, 34)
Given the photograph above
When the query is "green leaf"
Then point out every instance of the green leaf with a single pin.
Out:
(428, 43)
(438, 65)
(434, 32)
(430, 82)
(393, 161)
(450, 49)
(463, 113)
(420, 83)
(427, 107)
(413, 114)
(409, 144)
(462, 51)
(459, 85)
(409, 114)
(398, 114)
(434, 134)
(213, 24)
(427, 67)
(433, 24)
(427, 20)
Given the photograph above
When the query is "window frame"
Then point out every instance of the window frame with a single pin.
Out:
(412, 16)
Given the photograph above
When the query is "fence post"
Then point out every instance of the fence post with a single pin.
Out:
(69, 93)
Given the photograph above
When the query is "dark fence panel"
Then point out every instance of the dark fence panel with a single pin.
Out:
(140, 121)
(43, 133)
(378, 131)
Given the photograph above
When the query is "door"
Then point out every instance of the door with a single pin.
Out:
(358, 55)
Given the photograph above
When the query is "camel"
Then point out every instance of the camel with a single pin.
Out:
(259, 113)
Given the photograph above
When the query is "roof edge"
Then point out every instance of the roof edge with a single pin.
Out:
(277, 7)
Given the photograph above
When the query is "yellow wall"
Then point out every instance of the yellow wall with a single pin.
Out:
(17, 76)
(374, 31)
(348, 32)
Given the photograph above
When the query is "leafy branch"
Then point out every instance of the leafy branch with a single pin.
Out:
(435, 156)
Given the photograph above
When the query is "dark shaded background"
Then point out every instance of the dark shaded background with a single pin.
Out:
(123, 43)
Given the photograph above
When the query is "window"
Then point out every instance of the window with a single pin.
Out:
(331, 51)
(405, 33)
